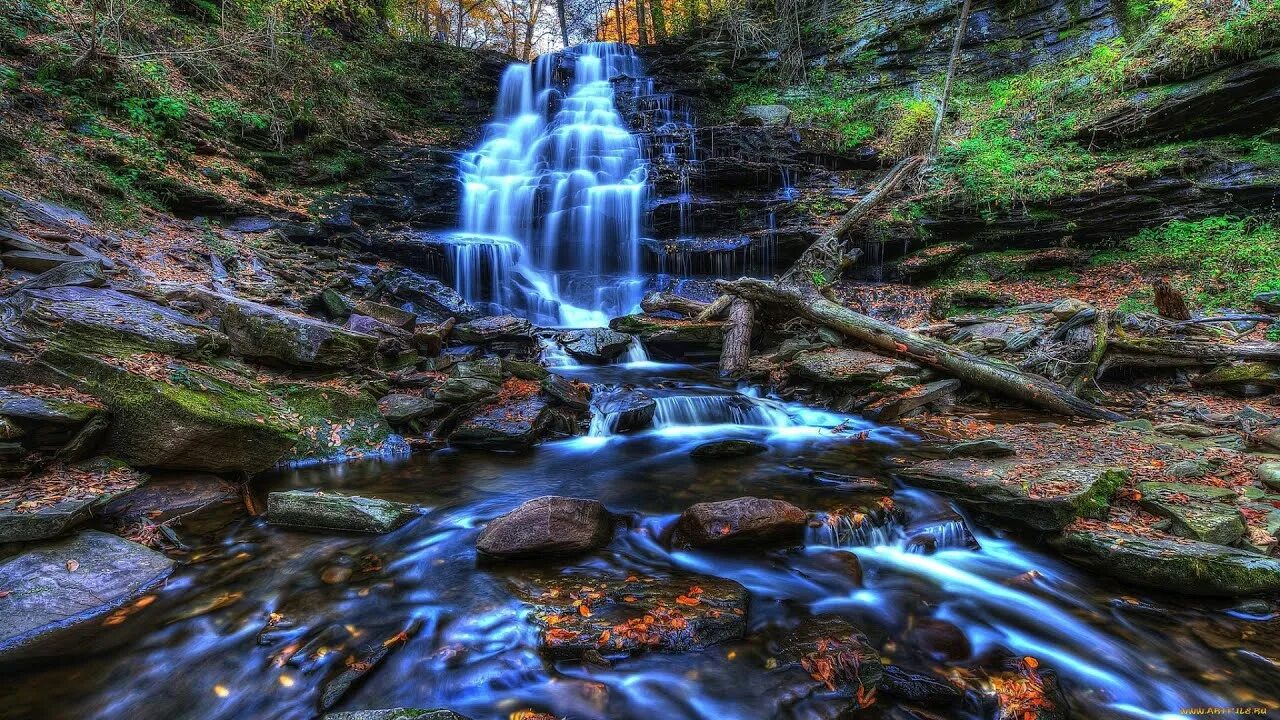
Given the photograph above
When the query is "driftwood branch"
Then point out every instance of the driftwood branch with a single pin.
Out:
(978, 371)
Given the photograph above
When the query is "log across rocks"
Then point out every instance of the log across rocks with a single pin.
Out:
(979, 371)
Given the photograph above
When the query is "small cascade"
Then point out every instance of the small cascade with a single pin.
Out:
(558, 187)
(693, 410)
(845, 529)
(635, 352)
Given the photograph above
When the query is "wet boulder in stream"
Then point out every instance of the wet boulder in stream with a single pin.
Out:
(328, 511)
(512, 426)
(738, 522)
(545, 527)
(583, 611)
(57, 593)
(624, 410)
(598, 345)
(835, 655)
(730, 448)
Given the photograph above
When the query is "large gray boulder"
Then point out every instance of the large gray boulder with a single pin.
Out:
(547, 526)
(260, 331)
(624, 410)
(598, 345)
(765, 115)
(431, 300)
(59, 592)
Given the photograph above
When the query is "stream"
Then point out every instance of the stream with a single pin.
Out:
(258, 617)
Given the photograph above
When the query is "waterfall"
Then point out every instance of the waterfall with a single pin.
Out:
(683, 410)
(554, 197)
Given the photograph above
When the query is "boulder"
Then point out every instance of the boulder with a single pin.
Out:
(624, 410)
(401, 409)
(926, 263)
(27, 512)
(1199, 512)
(896, 406)
(45, 417)
(1268, 474)
(583, 611)
(505, 427)
(393, 316)
(464, 390)
(600, 345)
(201, 500)
(570, 393)
(102, 320)
(988, 448)
(58, 593)
(919, 688)
(545, 527)
(1029, 492)
(835, 655)
(739, 522)
(844, 365)
(432, 300)
(264, 332)
(490, 369)
(733, 447)
(1242, 378)
(764, 115)
(1171, 564)
(673, 337)
(499, 328)
(313, 510)
(336, 305)
(33, 261)
(524, 369)
(87, 273)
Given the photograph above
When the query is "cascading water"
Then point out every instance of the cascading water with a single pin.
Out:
(554, 197)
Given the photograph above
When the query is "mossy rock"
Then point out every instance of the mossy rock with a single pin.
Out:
(260, 331)
(1246, 378)
(1028, 492)
(926, 263)
(1200, 512)
(329, 511)
(333, 423)
(1172, 564)
(844, 365)
(673, 337)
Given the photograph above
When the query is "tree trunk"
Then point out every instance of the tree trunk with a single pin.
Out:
(1169, 302)
(659, 20)
(951, 71)
(827, 254)
(737, 338)
(659, 302)
(617, 19)
(564, 22)
(641, 31)
(1086, 378)
(979, 371)
(715, 309)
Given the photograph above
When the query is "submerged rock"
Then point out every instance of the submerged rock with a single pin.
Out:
(547, 526)
(1172, 564)
(625, 410)
(599, 345)
(59, 592)
(1199, 512)
(836, 656)
(1029, 492)
(396, 714)
(327, 511)
(717, 449)
(586, 611)
(742, 521)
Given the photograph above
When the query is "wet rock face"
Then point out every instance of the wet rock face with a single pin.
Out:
(1171, 564)
(612, 615)
(625, 410)
(744, 521)
(595, 344)
(267, 333)
(58, 592)
(836, 656)
(327, 511)
(1028, 492)
(547, 526)
(504, 427)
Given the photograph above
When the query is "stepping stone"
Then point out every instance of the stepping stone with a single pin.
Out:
(742, 521)
(328, 511)
(546, 527)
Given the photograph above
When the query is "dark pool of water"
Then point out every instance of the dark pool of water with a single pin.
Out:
(213, 642)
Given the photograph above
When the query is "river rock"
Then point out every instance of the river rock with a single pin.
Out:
(490, 369)
(58, 592)
(199, 499)
(764, 115)
(1170, 563)
(1199, 512)
(988, 448)
(328, 511)
(499, 328)
(513, 426)
(396, 714)
(1268, 474)
(1028, 492)
(836, 656)
(600, 345)
(732, 447)
(624, 410)
(845, 365)
(264, 332)
(673, 337)
(401, 409)
(393, 316)
(584, 611)
(898, 405)
(738, 522)
(572, 394)
(102, 320)
(463, 390)
(919, 688)
(524, 369)
(87, 273)
(547, 526)
(84, 488)
(432, 300)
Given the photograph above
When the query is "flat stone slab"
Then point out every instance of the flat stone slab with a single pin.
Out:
(21, 406)
(1199, 512)
(328, 511)
(58, 588)
(1172, 564)
(844, 365)
(613, 615)
(547, 526)
(60, 499)
(510, 427)
(1029, 492)
(107, 321)
(262, 331)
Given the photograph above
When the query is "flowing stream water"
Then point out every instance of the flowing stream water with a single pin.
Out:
(258, 617)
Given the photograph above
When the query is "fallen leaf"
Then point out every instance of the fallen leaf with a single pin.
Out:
(73, 565)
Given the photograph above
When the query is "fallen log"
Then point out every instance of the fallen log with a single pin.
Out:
(715, 309)
(978, 371)
(1087, 377)
(737, 337)
(656, 302)
(1204, 352)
